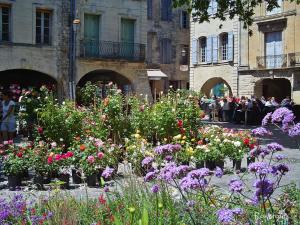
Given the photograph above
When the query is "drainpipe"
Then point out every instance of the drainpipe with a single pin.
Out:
(72, 50)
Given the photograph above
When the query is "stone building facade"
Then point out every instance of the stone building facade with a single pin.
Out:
(167, 44)
(273, 59)
(34, 42)
(215, 56)
(112, 44)
(265, 63)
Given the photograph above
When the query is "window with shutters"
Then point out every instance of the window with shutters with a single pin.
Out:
(43, 27)
(149, 9)
(4, 23)
(212, 7)
(224, 46)
(166, 10)
(203, 48)
(184, 19)
(274, 10)
(165, 51)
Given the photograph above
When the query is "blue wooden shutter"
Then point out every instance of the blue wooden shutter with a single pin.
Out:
(195, 51)
(209, 49)
(230, 46)
(214, 6)
(169, 10)
(215, 49)
(149, 9)
(210, 8)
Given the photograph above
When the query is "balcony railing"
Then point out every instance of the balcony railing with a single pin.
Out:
(294, 59)
(272, 61)
(112, 50)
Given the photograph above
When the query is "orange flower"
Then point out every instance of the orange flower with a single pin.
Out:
(51, 154)
(106, 101)
(82, 147)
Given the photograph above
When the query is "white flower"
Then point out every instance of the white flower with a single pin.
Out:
(237, 143)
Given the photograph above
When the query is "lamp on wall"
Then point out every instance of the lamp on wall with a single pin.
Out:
(183, 52)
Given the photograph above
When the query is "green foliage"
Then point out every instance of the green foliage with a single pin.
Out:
(244, 10)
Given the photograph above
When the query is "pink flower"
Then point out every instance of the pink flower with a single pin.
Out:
(5, 142)
(91, 159)
(69, 154)
(57, 157)
(50, 160)
(53, 145)
(100, 155)
(10, 142)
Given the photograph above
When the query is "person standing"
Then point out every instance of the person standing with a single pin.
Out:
(8, 125)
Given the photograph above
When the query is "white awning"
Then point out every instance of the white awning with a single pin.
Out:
(156, 74)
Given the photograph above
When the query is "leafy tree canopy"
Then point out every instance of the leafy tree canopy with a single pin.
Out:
(243, 9)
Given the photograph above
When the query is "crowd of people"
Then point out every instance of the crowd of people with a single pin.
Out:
(241, 110)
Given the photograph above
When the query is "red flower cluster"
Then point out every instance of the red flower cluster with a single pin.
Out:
(58, 157)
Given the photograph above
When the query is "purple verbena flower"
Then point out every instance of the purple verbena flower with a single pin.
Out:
(261, 168)
(264, 188)
(107, 172)
(225, 216)
(279, 157)
(155, 188)
(295, 130)
(189, 183)
(219, 172)
(199, 173)
(167, 149)
(236, 186)
(147, 161)
(260, 131)
(283, 115)
(169, 158)
(266, 119)
(150, 176)
(275, 147)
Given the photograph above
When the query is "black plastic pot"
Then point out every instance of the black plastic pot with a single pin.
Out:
(91, 180)
(14, 181)
(38, 180)
(220, 163)
(200, 164)
(76, 177)
(237, 164)
(66, 179)
(211, 165)
(250, 160)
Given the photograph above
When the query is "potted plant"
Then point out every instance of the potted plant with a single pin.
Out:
(15, 162)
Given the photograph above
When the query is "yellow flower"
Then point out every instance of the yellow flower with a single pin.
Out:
(193, 140)
(138, 131)
(177, 137)
(190, 150)
(137, 136)
(184, 137)
(183, 142)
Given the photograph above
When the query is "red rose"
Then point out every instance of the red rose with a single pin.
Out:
(40, 130)
(252, 146)
(69, 154)
(180, 123)
(246, 141)
(57, 157)
(20, 154)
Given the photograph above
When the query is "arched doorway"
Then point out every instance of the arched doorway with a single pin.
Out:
(278, 88)
(216, 86)
(24, 79)
(103, 77)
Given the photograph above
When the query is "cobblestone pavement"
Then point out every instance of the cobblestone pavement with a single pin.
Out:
(291, 152)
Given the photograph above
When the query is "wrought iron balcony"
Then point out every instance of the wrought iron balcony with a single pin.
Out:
(294, 59)
(272, 61)
(112, 50)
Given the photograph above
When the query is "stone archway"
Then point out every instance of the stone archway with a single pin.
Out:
(25, 78)
(212, 83)
(277, 87)
(103, 77)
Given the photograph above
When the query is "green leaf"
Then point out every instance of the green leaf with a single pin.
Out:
(145, 217)
(117, 221)
(102, 181)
